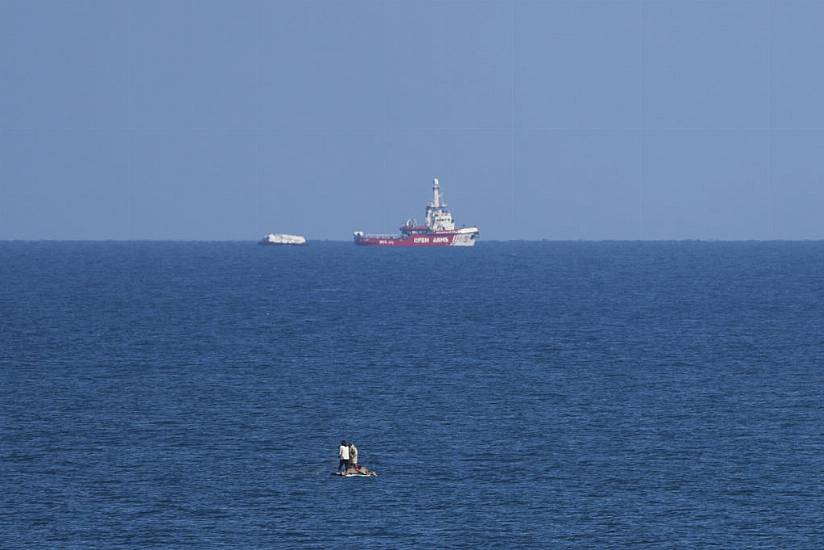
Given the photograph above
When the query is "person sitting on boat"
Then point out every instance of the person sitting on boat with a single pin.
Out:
(343, 455)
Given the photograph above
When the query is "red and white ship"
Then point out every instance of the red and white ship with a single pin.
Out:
(439, 229)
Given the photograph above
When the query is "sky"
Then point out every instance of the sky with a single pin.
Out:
(543, 119)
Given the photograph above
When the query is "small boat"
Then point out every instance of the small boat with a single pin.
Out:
(284, 239)
(361, 471)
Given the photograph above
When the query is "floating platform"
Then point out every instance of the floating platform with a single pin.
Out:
(354, 474)
(283, 239)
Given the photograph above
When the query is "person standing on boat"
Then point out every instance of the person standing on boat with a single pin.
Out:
(343, 455)
(353, 455)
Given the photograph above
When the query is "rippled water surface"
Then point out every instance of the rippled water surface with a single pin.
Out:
(510, 395)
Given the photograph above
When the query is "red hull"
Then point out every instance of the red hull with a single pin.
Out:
(432, 239)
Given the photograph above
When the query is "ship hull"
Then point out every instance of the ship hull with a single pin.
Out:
(459, 237)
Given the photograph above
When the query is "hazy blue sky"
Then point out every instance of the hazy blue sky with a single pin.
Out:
(544, 119)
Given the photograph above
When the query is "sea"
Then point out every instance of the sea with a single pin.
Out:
(511, 395)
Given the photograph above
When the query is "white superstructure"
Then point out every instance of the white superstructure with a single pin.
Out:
(438, 217)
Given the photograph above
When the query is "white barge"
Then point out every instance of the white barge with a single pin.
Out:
(284, 239)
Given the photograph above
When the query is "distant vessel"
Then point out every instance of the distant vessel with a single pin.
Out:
(284, 239)
(439, 229)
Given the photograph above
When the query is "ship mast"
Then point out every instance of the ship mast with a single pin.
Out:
(437, 199)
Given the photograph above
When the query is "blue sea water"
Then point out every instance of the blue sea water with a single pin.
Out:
(521, 394)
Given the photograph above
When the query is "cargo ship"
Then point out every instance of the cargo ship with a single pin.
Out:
(439, 229)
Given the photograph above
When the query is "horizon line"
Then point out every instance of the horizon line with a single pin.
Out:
(540, 240)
